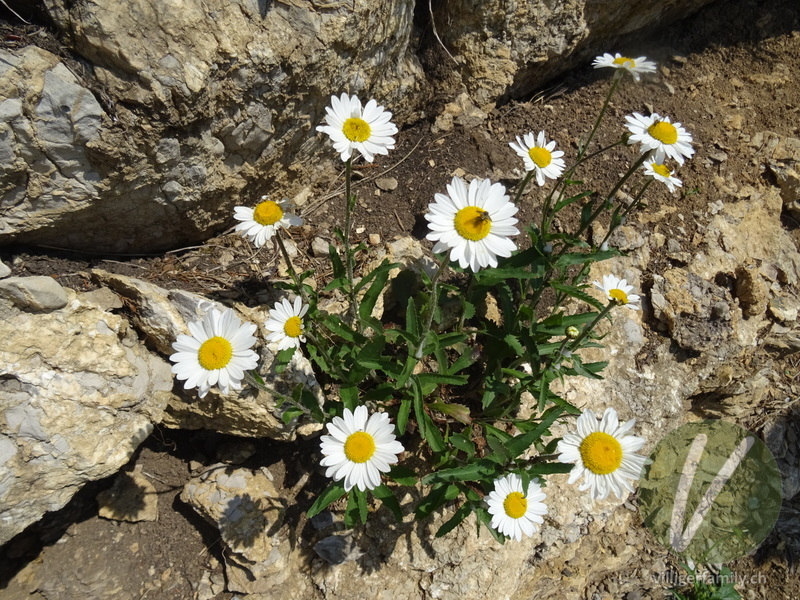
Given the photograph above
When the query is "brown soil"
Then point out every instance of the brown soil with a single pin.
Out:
(725, 74)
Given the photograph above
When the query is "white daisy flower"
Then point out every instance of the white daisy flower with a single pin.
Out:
(538, 155)
(659, 136)
(513, 511)
(618, 291)
(603, 454)
(285, 323)
(217, 353)
(368, 130)
(259, 224)
(359, 448)
(473, 222)
(634, 66)
(662, 173)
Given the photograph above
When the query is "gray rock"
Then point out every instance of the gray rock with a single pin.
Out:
(5, 270)
(38, 293)
(183, 119)
(78, 394)
(337, 549)
(508, 49)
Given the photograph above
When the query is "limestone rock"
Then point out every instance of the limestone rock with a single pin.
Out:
(249, 511)
(78, 394)
(131, 498)
(38, 293)
(200, 102)
(697, 312)
(511, 48)
(783, 160)
(162, 314)
(5, 271)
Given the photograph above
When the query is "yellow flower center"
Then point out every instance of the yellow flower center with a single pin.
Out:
(625, 62)
(472, 223)
(662, 170)
(359, 447)
(515, 505)
(664, 132)
(601, 453)
(356, 130)
(541, 157)
(267, 213)
(293, 327)
(618, 296)
(214, 353)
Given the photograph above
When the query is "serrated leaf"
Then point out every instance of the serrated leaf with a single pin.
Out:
(579, 294)
(577, 258)
(513, 342)
(463, 443)
(475, 471)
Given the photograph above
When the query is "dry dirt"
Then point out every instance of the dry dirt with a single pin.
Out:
(726, 74)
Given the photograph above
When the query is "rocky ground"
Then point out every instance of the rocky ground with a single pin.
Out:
(734, 225)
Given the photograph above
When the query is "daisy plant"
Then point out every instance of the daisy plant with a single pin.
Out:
(456, 362)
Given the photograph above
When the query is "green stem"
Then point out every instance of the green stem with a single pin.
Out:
(627, 211)
(522, 186)
(297, 283)
(321, 349)
(432, 304)
(350, 203)
(588, 328)
(603, 205)
(614, 84)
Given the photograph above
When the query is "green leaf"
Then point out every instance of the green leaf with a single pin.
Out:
(513, 342)
(402, 415)
(349, 396)
(330, 495)
(521, 443)
(461, 514)
(412, 322)
(577, 258)
(291, 413)
(580, 369)
(578, 293)
(567, 201)
(458, 411)
(446, 340)
(387, 498)
(441, 494)
(475, 471)
(337, 326)
(403, 475)
(548, 468)
(361, 497)
(336, 262)
(381, 276)
(485, 518)
(463, 443)
(439, 379)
